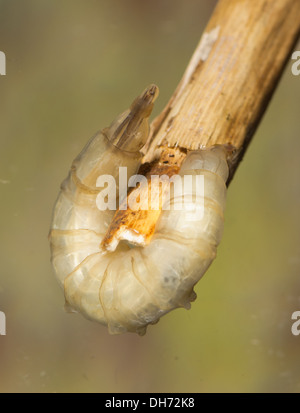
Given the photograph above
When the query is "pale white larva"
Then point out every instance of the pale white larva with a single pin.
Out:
(129, 288)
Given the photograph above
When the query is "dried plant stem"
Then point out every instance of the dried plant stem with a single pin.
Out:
(224, 91)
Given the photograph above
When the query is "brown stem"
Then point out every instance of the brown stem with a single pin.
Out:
(225, 89)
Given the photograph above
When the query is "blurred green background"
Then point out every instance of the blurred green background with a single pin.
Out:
(72, 66)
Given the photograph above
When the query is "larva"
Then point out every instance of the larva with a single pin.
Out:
(131, 287)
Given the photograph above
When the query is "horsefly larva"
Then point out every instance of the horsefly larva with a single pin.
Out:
(132, 286)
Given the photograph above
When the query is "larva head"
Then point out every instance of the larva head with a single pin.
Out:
(129, 131)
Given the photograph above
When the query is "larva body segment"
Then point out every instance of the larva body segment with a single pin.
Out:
(78, 225)
(129, 288)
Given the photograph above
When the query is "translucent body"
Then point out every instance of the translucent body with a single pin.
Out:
(132, 287)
